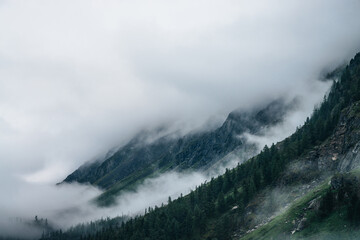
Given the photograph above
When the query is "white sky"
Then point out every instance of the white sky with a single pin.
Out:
(79, 77)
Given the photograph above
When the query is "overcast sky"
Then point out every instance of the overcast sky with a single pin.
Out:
(78, 77)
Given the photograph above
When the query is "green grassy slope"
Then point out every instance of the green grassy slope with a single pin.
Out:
(335, 224)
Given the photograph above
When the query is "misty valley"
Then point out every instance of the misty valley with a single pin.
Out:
(181, 120)
(219, 184)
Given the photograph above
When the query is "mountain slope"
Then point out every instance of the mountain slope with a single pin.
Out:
(140, 158)
(295, 171)
(330, 211)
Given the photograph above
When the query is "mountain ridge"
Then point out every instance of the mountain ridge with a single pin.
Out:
(227, 206)
(138, 160)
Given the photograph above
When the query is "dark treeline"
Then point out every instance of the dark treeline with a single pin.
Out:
(27, 228)
(85, 229)
(213, 210)
(342, 197)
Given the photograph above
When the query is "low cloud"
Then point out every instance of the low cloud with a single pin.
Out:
(62, 205)
(294, 117)
(78, 78)
(69, 204)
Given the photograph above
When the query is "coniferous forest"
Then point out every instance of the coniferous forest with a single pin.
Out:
(212, 210)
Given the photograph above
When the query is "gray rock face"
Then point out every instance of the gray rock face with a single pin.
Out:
(350, 160)
(302, 224)
(337, 182)
(341, 152)
(314, 204)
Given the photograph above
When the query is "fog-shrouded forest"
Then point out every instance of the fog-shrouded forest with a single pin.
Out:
(214, 208)
(179, 120)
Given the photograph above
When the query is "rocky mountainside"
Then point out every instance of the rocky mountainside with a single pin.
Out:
(140, 158)
(305, 182)
(305, 187)
(317, 195)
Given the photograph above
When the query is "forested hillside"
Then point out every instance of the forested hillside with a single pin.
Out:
(140, 158)
(217, 209)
